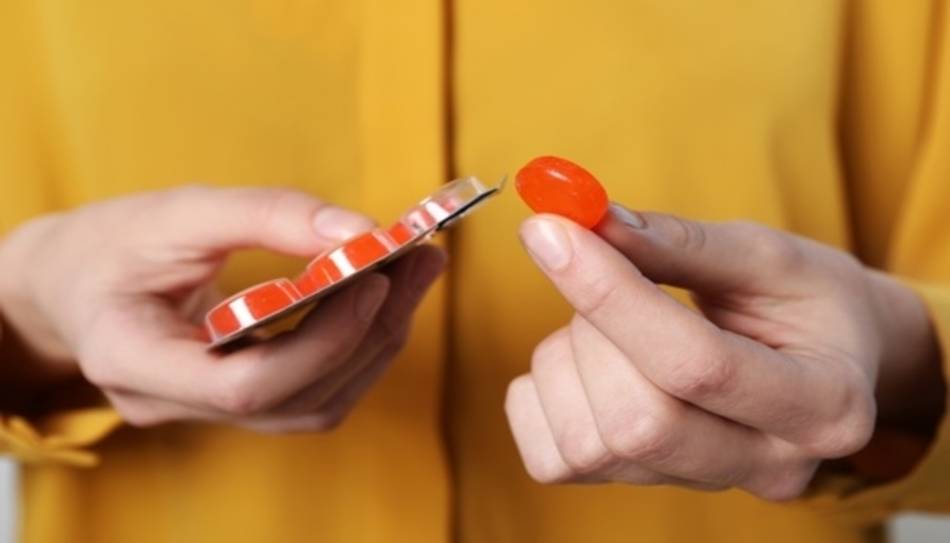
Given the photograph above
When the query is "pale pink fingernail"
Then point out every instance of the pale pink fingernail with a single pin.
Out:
(547, 242)
(630, 218)
(335, 224)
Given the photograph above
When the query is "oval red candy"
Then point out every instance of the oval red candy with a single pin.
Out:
(551, 184)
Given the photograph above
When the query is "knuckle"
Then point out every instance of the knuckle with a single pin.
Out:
(170, 204)
(337, 349)
(701, 377)
(543, 468)
(842, 438)
(517, 389)
(582, 449)
(135, 415)
(97, 370)
(646, 438)
(140, 419)
(131, 417)
(787, 484)
(239, 396)
(264, 206)
(549, 351)
(687, 235)
(850, 429)
(548, 472)
(238, 403)
(268, 205)
(858, 426)
(93, 354)
(595, 293)
(770, 248)
(183, 196)
(782, 492)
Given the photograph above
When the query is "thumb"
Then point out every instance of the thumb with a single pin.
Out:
(209, 219)
(701, 256)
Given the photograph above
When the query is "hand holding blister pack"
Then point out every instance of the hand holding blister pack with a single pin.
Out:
(266, 302)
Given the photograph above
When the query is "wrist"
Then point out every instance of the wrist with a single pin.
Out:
(911, 387)
(910, 391)
(32, 351)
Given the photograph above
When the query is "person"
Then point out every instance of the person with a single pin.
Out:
(792, 152)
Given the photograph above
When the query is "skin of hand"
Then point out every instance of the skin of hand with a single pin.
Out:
(114, 291)
(795, 354)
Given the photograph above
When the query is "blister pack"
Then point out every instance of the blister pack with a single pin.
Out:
(272, 300)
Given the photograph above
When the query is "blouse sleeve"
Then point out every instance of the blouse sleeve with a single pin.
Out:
(896, 159)
(59, 437)
(61, 431)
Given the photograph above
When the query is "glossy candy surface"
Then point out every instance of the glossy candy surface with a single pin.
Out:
(550, 184)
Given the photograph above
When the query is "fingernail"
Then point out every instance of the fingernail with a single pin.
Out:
(370, 296)
(336, 224)
(547, 242)
(630, 218)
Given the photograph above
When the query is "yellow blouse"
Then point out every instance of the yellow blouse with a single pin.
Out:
(831, 119)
